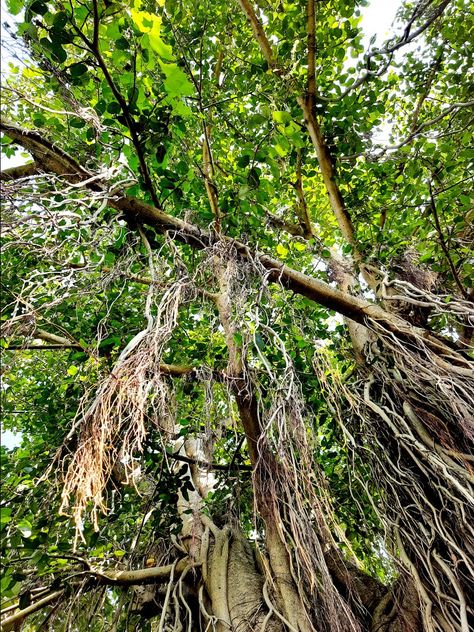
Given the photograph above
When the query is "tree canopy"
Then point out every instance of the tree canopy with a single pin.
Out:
(237, 322)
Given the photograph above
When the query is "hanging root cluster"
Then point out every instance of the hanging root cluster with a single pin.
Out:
(411, 418)
(291, 495)
(289, 490)
(114, 425)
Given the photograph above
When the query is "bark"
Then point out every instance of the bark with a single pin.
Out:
(15, 173)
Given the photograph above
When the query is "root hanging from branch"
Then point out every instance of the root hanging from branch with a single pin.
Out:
(411, 418)
(289, 489)
(113, 426)
(293, 496)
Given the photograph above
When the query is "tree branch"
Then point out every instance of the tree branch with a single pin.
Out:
(444, 245)
(41, 347)
(140, 576)
(302, 207)
(54, 339)
(327, 171)
(424, 95)
(258, 32)
(353, 307)
(211, 466)
(311, 76)
(131, 125)
(10, 623)
(15, 173)
(110, 578)
(389, 49)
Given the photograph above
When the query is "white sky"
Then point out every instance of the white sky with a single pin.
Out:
(377, 19)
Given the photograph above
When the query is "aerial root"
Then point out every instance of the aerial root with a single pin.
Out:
(411, 420)
(113, 426)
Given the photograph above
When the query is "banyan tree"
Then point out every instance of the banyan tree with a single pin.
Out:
(237, 317)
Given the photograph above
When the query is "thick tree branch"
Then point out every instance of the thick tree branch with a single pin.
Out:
(110, 578)
(140, 576)
(327, 171)
(47, 156)
(54, 339)
(353, 307)
(11, 622)
(292, 229)
(258, 32)
(15, 173)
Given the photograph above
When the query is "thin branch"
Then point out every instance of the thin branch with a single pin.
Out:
(444, 245)
(34, 347)
(454, 108)
(302, 205)
(212, 466)
(388, 51)
(208, 174)
(9, 623)
(95, 50)
(311, 76)
(408, 37)
(424, 95)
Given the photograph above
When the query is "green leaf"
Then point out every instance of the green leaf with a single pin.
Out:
(76, 122)
(253, 177)
(122, 43)
(58, 52)
(260, 342)
(78, 69)
(114, 107)
(60, 20)
(15, 6)
(5, 515)
(176, 82)
(163, 50)
(243, 161)
(25, 528)
(282, 251)
(281, 117)
(38, 8)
